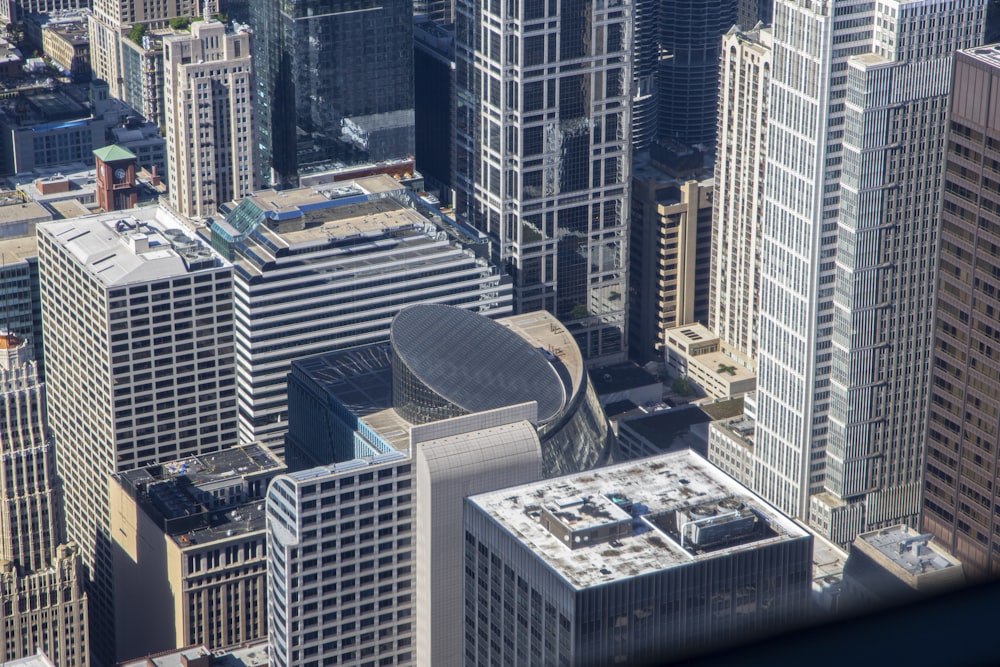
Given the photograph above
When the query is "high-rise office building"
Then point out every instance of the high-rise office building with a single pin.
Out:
(423, 375)
(543, 155)
(189, 534)
(670, 244)
(961, 472)
(645, 60)
(138, 318)
(208, 97)
(628, 564)
(340, 572)
(334, 84)
(687, 73)
(28, 534)
(741, 151)
(856, 115)
(418, 408)
(321, 269)
(41, 584)
(749, 12)
(434, 104)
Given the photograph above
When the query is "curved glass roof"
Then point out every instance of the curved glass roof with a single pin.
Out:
(473, 362)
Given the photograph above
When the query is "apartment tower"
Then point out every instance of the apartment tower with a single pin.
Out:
(687, 72)
(856, 112)
(138, 318)
(211, 134)
(741, 152)
(109, 24)
(962, 473)
(544, 155)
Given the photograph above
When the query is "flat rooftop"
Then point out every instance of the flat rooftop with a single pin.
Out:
(345, 218)
(21, 211)
(102, 245)
(620, 377)
(661, 427)
(643, 501)
(175, 493)
(908, 550)
(739, 428)
(18, 249)
(988, 54)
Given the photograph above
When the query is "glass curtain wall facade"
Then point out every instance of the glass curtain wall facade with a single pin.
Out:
(543, 144)
(334, 85)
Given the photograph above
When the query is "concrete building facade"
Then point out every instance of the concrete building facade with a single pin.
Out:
(738, 204)
(962, 465)
(210, 119)
(139, 328)
(670, 256)
(325, 268)
(41, 584)
(627, 564)
(190, 535)
(851, 204)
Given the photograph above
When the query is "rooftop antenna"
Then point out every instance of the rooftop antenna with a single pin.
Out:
(206, 14)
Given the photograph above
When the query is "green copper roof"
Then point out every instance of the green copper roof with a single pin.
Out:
(114, 153)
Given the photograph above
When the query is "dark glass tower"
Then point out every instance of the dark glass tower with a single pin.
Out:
(687, 79)
(335, 83)
(543, 154)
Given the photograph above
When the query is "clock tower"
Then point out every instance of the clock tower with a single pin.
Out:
(115, 178)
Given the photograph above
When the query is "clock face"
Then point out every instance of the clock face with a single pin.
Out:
(119, 174)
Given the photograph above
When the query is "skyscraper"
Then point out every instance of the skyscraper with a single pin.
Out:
(28, 536)
(321, 269)
(856, 114)
(334, 84)
(687, 72)
(106, 25)
(41, 585)
(741, 151)
(409, 428)
(963, 444)
(138, 320)
(211, 133)
(190, 535)
(544, 154)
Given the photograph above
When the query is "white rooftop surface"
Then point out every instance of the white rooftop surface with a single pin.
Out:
(37, 660)
(909, 550)
(661, 484)
(105, 252)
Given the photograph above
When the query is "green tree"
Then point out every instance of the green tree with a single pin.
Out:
(180, 23)
(137, 32)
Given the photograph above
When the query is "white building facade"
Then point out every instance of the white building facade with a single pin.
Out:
(140, 362)
(321, 270)
(851, 180)
(741, 151)
(211, 133)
